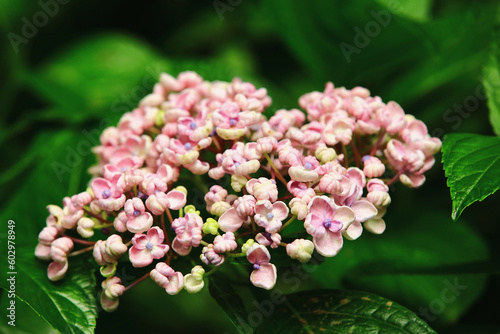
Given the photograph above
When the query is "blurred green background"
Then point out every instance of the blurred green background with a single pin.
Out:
(71, 68)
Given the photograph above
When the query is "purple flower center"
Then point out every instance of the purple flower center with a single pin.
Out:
(137, 213)
(124, 169)
(308, 166)
(270, 215)
(192, 125)
(327, 223)
(256, 266)
(149, 245)
(106, 193)
(366, 157)
(233, 122)
(236, 164)
(187, 146)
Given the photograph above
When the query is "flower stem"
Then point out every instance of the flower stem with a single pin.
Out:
(142, 278)
(99, 218)
(81, 251)
(288, 223)
(278, 173)
(80, 241)
(394, 179)
(356, 154)
(377, 144)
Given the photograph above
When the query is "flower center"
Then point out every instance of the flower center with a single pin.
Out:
(187, 146)
(327, 223)
(192, 125)
(236, 164)
(270, 215)
(308, 166)
(232, 122)
(124, 169)
(106, 193)
(149, 245)
(256, 266)
(137, 213)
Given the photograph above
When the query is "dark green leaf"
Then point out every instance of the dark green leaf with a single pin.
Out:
(230, 302)
(472, 166)
(398, 263)
(337, 311)
(69, 306)
(491, 82)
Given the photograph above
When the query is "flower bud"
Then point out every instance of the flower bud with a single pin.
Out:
(60, 248)
(193, 282)
(300, 249)
(325, 154)
(210, 256)
(181, 189)
(225, 243)
(109, 269)
(247, 245)
(85, 227)
(47, 235)
(238, 182)
(191, 209)
(211, 226)
(373, 167)
(219, 208)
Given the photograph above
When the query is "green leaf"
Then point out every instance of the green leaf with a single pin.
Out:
(335, 311)
(26, 318)
(399, 264)
(230, 302)
(110, 72)
(69, 306)
(491, 82)
(472, 166)
(415, 10)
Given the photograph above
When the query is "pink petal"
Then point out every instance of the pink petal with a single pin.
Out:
(263, 207)
(375, 225)
(177, 199)
(140, 257)
(322, 206)
(354, 231)
(230, 221)
(175, 284)
(264, 277)
(155, 235)
(345, 215)
(258, 254)
(159, 251)
(280, 210)
(99, 185)
(57, 270)
(179, 248)
(139, 241)
(364, 210)
(329, 244)
(140, 223)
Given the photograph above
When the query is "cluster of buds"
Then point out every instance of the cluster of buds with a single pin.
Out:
(325, 171)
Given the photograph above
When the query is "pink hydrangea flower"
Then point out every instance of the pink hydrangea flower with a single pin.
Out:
(269, 215)
(225, 243)
(109, 194)
(263, 189)
(325, 222)
(59, 251)
(106, 252)
(138, 219)
(268, 239)
(112, 290)
(172, 281)
(159, 202)
(147, 247)
(210, 256)
(264, 274)
(188, 230)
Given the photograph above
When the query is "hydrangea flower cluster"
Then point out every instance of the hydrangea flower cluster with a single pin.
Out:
(325, 172)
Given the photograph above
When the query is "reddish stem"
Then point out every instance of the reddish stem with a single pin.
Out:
(99, 218)
(137, 282)
(377, 144)
(396, 177)
(80, 241)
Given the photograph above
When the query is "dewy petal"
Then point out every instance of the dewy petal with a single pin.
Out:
(364, 210)
(230, 221)
(264, 277)
(354, 231)
(258, 254)
(177, 199)
(329, 244)
(140, 257)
